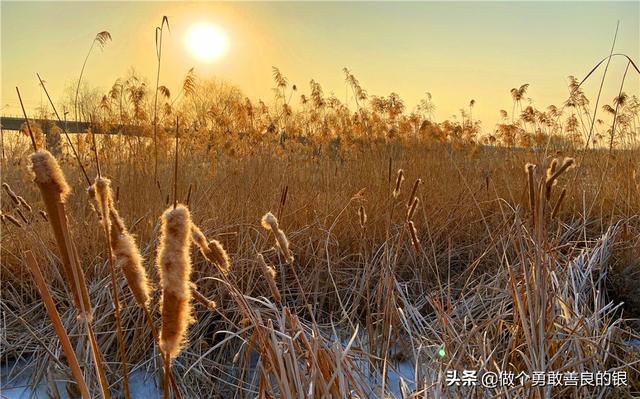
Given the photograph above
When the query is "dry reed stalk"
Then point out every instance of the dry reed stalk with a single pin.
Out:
(270, 275)
(212, 250)
(270, 222)
(105, 200)
(58, 326)
(174, 266)
(398, 186)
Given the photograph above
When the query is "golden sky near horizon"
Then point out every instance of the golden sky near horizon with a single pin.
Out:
(457, 51)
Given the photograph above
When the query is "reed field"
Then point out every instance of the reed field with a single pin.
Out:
(195, 243)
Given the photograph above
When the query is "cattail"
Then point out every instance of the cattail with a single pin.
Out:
(174, 265)
(412, 208)
(556, 207)
(47, 172)
(10, 193)
(362, 215)
(270, 222)
(530, 169)
(93, 201)
(212, 250)
(566, 164)
(24, 219)
(414, 236)
(103, 198)
(127, 256)
(12, 220)
(54, 189)
(24, 204)
(550, 172)
(399, 180)
(270, 275)
(414, 190)
(198, 296)
(43, 214)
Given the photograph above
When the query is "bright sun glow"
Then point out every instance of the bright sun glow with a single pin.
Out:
(206, 41)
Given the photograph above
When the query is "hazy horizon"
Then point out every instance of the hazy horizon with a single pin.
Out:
(457, 51)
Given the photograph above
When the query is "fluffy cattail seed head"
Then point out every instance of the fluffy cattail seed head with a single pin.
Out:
(174, 265)
(269, 274)
(212, 250)
(46, 171)
(127, 256)
(270, 222)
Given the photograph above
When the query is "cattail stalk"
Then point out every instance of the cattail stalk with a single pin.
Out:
(58, 326)
(212, 250)
(270, 222)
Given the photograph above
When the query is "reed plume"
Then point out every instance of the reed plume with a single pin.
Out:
(270, 222)
(174, 267)
(212, 250)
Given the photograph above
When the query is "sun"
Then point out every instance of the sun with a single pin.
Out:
(206, 41)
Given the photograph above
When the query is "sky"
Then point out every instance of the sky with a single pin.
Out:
(457, 51)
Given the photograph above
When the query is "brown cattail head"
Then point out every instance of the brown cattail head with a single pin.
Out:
(399, 180)
(414, 236)
(556, 207)
(412, 208)
(24, 204)
(530, 169)
(198, 296)
(174, 266)
(212, 250)
(10, 193)
(270, 222)
(269, 274)
(566, 164)
(11, 220)
(362, 215)
(552, 167)
(414, 190)
(127, 256)
(46, 171)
